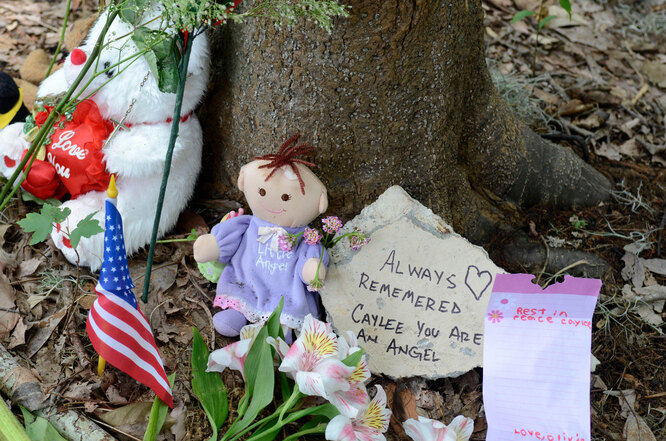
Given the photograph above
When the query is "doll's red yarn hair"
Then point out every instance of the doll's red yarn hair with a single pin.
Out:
(288, 155)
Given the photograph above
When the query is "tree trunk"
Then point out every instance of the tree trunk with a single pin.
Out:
(398, 93)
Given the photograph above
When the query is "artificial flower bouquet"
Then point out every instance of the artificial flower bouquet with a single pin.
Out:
(328, 237)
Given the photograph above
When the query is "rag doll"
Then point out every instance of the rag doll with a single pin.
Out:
(284, 196)
(87, 148)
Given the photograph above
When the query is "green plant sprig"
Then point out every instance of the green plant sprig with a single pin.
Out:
(541, 22)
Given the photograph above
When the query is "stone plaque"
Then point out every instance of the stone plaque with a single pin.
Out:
(415, 296)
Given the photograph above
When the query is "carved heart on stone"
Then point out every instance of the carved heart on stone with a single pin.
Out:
(477, 281)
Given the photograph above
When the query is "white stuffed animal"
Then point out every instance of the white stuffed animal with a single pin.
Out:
(135, 153)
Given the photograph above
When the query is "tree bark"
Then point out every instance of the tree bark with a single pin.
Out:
(398, 93)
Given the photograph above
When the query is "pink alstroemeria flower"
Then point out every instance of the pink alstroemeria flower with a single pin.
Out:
(312, 360)
(348, 402)
(369, 425)
(233, 356)
(426, 429)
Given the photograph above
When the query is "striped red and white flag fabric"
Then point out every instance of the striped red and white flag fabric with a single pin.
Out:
(117, 328)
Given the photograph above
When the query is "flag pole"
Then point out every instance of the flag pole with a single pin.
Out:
(111, 194)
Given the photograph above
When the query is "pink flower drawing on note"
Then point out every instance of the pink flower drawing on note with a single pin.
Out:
(495, 316)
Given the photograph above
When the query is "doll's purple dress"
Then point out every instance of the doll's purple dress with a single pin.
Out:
(257, 276)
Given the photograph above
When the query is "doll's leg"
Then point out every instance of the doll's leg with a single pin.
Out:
(229, 322)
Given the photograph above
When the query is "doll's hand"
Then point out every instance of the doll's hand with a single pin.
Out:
(310, 270)
(205, 248)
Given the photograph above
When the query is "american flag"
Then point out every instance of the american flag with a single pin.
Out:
(116, 326)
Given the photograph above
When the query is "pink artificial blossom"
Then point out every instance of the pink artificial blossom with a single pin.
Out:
(358, 240)
(286, 243)
(311, 236)
(332, 224)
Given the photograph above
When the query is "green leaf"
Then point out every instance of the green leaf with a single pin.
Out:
(132, 11)
(162, 56)
(158, 415)
(566, 5)
(39, 428)
(353, 359)
(208, 387)
(520, 15)
(87, 227)
(192, 235)
(273, 322)
(259, 378)
(544, 21)
(41, 224)
(29, 197)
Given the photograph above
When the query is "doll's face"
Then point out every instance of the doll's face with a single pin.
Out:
(280, 200)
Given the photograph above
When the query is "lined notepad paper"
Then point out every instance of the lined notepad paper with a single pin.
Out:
(536, 359)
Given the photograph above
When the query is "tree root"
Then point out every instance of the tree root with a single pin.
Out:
(23, 388)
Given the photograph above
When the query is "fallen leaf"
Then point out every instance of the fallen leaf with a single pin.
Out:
(179, 429)
(630, 148)
(607, 151)
(113, 395)
(652, 148)
(647, 313)
(587, 36)
(636, 429)
(593, 121)
(45, 328)
(3, 230)
(134, 413)
(79, 391)
(18, 336)
(8, 312)
(633, 269)
(656, 72)
(574, 107)
(562, 20)
(28, 267)
(657, 266)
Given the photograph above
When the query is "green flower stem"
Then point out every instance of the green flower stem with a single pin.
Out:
(339, 238)
(293, 416)
(254, 425)
(295, 395)
(184, 61)
(185, 239)
(62, 38)
(320, 428)
(48, 124)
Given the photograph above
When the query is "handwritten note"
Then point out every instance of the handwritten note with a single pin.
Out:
(536, 359)
(415, 296)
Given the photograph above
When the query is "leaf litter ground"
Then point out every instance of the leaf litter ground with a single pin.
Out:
(598, 87)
